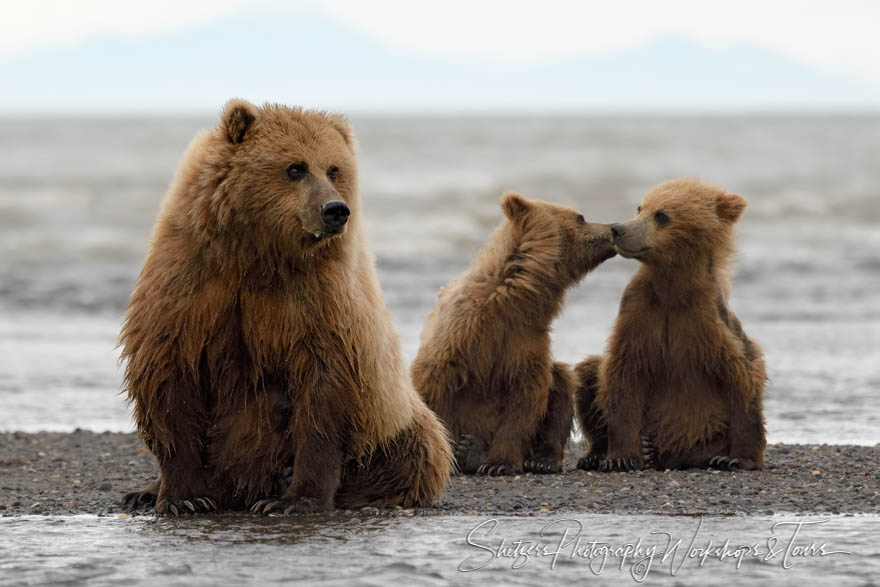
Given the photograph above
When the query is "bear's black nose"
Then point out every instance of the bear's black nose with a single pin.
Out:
(335, 215)
(617, 231)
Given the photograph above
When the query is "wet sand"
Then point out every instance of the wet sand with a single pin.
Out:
(87, 473)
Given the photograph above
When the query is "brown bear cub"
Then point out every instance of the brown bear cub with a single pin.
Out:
(484, 365)
(681, 385)
(257, 338)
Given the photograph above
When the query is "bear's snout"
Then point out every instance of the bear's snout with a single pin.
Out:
(334, 215)
(617, 231)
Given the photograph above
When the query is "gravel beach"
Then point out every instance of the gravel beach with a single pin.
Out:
(83, 472)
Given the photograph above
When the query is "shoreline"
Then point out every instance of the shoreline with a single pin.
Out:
(83, 472)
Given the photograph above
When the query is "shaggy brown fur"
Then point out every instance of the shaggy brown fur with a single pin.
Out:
(681, 384)
(257, 337)
(484, 364)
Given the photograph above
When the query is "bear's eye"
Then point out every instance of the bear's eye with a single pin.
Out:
(297, 170)
(639, 210)
(333, 173)
(581, 219)
(661, 218)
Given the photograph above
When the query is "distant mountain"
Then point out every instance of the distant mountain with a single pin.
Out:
(316, 61)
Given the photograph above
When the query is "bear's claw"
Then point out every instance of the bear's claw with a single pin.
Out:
(649, 454)
(619, 465)
(589, 463)
(193, 505)
(722, 463)
(495, 469)
(299, 505)
(137, 499)
(541, 465)
(469, 452)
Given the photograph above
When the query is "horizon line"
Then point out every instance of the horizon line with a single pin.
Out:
(464, 112)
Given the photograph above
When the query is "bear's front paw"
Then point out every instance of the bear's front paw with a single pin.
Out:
(469, 452)
(621, 465)
(299, 505)
(542, 465)
(193, 505)
(496, 469)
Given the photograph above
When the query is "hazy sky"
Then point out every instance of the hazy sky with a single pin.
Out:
(813, 44)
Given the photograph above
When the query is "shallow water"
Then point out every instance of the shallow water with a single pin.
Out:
(78, 199)
(344, 550)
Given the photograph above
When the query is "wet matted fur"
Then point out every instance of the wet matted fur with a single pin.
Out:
(484, 364)
(257, 338)
(681, 384)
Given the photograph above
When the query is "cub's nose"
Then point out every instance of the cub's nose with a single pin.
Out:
(335, 215)
(617, 231)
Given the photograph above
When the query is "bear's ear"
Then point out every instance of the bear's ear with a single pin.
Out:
(515, 206)
(340, 123)
(237, 118)
(730, 207)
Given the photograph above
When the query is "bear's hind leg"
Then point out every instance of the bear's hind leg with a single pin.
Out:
(409, 470)
(555, 428)
(589, 415)
(746, 436)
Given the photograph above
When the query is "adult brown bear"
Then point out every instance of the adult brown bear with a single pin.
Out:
(485, 365)
(257, 337)
(681, 385)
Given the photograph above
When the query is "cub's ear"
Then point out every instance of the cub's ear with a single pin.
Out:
(237, 118)
(730, 207)
(515, 206)
(340, 123)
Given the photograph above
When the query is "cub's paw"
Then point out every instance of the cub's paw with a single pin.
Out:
(180, 507)
(620, 465)
(496, 469)
(298, 505)
(542, 465)
(722, 463)
(649, 453)
(469, 452)
(590, 462)
(139, 499)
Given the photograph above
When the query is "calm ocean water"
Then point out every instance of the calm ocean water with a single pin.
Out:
(78, 199)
